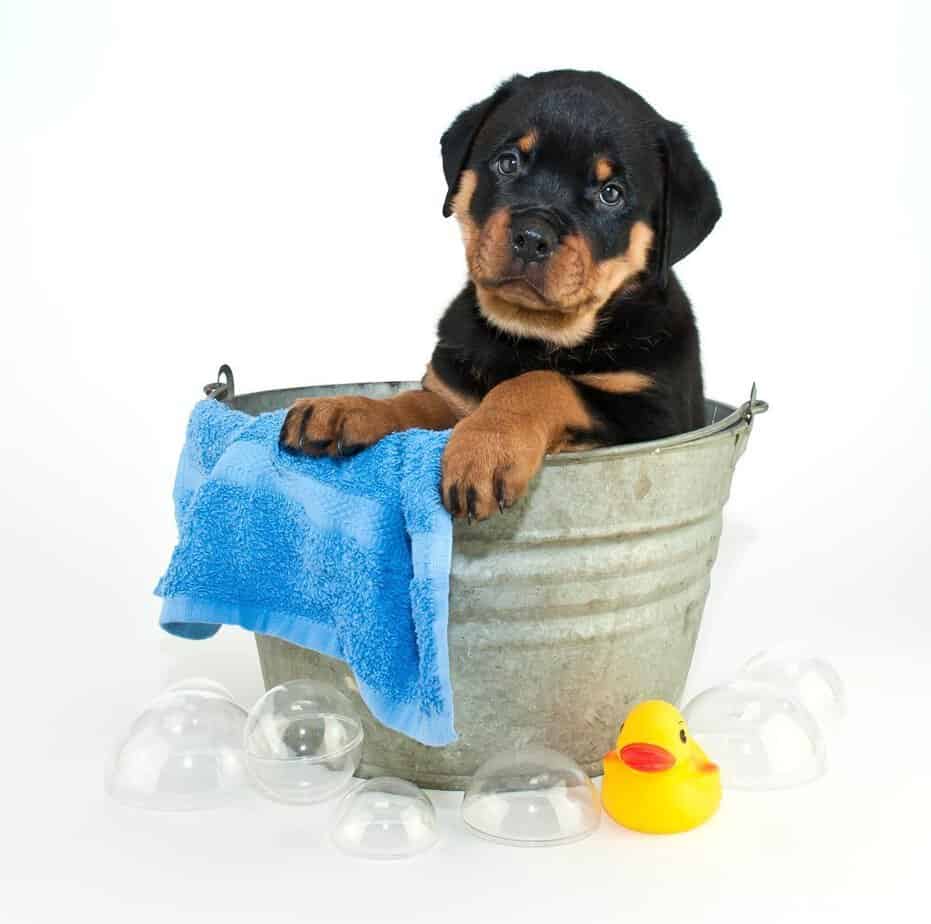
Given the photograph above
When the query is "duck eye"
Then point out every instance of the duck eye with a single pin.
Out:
(507, 163)
(682, 737)
(611, 194)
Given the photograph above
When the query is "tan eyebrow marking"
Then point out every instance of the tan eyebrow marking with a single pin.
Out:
(526, 142)
(604, 169)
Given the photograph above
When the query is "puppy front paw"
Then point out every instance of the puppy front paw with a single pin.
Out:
(337, 427)
(487, 467)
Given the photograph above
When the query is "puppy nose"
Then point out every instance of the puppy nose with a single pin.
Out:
(532, 238)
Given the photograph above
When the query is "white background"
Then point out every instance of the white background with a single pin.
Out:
(188, 183)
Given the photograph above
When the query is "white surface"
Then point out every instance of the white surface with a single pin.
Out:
(182, 184)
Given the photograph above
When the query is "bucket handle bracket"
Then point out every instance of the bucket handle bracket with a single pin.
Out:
(749, 409)
(224, 388)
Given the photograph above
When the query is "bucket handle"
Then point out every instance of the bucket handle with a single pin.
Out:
(224, 388)
(749, 409)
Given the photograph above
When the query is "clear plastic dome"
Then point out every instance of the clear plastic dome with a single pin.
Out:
(303, 742)
(184, 752)
(531, 797)
(201, 685)
(385, 819)
(759, 738)
(802, 676)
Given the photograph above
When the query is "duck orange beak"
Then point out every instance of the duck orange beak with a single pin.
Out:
(647, 758)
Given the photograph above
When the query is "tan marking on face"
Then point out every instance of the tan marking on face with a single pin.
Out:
(567, 270)
(575, 286)
(487, 248)
(468, 180)
(610, 275)
(604, 169)
(490, 255)
(562, 329)
(577, 281)
(461, 405)
(527, 142)
(618, 383)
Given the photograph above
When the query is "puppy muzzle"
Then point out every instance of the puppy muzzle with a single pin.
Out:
(534, 237)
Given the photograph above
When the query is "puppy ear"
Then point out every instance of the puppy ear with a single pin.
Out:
(456, 143)
(690, 202)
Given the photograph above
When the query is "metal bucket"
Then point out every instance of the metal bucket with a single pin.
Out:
(580, 601)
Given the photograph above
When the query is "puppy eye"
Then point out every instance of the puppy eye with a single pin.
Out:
(508, 163)
(611, 194)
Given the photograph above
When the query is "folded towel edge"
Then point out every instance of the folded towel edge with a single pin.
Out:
(190, 618)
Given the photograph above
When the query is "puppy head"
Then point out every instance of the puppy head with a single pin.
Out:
(570, 188)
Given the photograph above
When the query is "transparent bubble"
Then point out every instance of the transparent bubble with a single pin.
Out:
(201, 685)
(303, 742)
(531, 797)
(759, 738)
(802, 676)
(183, 752)
(385, 819)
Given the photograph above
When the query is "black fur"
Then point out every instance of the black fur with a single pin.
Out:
(645, 327)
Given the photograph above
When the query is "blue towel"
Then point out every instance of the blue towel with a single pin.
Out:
(349, 557)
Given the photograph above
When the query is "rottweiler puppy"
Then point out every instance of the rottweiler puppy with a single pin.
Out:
(575, 197)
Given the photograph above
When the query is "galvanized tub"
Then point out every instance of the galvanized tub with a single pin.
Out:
(580, 601)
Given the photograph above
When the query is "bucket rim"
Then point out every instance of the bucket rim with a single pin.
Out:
(733, 418)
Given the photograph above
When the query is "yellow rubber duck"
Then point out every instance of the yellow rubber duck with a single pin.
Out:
(658, 780)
